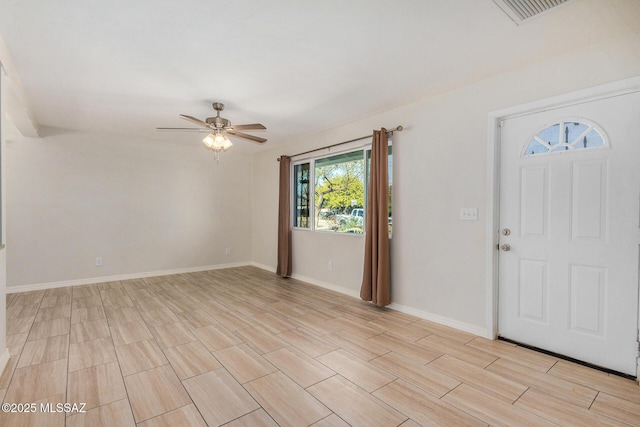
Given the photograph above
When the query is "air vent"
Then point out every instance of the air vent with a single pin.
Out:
(522, 10)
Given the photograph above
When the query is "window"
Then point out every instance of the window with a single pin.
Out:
(339, 192)
(301, 199)
(564, 136)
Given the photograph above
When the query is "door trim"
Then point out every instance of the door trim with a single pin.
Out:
(618, 88)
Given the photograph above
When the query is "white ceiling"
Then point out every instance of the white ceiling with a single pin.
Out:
(297, 66)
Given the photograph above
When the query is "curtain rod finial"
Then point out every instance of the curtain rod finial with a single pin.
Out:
(400, 128)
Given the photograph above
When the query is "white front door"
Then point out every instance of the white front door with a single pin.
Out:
(569, 213)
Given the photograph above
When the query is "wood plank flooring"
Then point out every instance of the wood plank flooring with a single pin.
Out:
(243, 347)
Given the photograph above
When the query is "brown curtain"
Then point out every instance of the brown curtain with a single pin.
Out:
(284, 219)
(376, 280)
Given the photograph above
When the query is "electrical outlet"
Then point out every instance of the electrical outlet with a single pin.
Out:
(98, 261)
(227, 251)
(469, 214)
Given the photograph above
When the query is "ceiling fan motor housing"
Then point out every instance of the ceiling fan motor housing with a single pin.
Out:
(218, 121)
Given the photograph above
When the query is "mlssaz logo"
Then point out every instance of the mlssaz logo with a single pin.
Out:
(63, 407)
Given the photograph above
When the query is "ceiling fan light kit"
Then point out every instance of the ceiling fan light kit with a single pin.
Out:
(217, 140)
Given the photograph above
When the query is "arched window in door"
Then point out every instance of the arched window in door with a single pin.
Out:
(565, 136)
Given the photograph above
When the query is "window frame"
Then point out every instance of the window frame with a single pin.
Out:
(294, 196)
(592, 126)
(366, 150)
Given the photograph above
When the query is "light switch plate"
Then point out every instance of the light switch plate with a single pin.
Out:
(469, 214)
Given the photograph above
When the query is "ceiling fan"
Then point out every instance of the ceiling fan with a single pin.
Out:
(218, 128)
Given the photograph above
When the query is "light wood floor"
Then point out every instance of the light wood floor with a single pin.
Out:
(241, 347)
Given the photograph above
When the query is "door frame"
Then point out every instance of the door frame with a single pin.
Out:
(622, 87)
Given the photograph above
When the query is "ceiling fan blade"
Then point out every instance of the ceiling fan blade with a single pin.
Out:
(184, 129)
(246, 136)
(253, 126)
(196, 121)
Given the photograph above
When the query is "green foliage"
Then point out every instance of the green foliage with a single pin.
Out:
(351, 225)
(338, 189)
(338, 185)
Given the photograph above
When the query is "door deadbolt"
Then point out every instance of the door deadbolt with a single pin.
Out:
(506, 231)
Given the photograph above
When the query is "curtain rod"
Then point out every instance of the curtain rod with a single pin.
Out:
(396, 129)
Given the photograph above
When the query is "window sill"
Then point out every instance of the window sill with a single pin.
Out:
(326, 232)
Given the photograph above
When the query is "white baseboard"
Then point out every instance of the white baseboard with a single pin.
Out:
(311, 281)
(326, 285)
(263, 266)
(442, 320)
(446, 321)
(466, 327)
(4, 359)
(103, 279)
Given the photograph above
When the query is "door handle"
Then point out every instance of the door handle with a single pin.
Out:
(505, 247)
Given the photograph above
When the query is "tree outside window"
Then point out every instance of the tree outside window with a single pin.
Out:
(339, 192)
